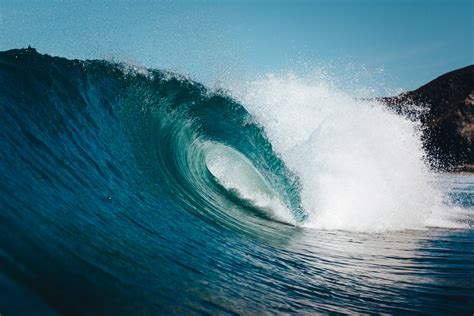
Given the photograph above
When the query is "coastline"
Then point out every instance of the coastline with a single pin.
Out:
(463, 170)
(467, 169)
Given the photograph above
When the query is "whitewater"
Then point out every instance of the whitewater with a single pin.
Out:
(362, 166)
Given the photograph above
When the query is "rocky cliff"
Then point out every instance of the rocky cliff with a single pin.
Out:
(445, 107)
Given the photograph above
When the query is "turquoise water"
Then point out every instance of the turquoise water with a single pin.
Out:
(131, 191)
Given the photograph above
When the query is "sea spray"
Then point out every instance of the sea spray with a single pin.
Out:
(362, 167)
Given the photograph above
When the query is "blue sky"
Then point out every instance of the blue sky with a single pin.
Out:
(404, 44)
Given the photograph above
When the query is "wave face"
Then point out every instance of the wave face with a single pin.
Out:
(127, 190)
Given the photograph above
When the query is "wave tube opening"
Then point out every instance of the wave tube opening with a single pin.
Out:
(243, 181)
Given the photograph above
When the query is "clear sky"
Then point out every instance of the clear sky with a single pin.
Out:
(403, 43)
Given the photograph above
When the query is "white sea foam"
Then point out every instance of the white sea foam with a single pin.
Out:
(361, 166)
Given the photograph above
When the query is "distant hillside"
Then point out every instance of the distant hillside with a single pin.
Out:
(448, 116)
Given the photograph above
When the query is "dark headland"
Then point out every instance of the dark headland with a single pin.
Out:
(446, 116)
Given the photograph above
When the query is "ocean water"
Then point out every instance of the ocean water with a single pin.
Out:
(136, 191)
